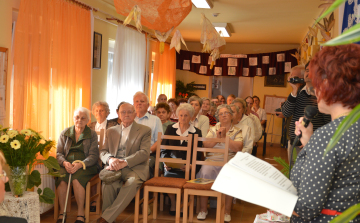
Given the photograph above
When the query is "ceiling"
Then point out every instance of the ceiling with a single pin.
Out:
(255, 21)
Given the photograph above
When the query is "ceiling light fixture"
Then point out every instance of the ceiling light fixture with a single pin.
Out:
(203, 4)
(222, 28)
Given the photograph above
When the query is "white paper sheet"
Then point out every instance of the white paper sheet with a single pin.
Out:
(253, 61)
(232, 71)
(218, 71)
(265, 59)
(258, 72)
(245, 71)
(250, 185)
(203, 70)
(287, 67)
(280, 57)
(196, 59)
(186, 65)
(232, 62)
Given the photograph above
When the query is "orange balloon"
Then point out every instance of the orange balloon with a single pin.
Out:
(159, 15)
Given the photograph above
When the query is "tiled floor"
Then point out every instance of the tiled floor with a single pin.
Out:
(242, 212)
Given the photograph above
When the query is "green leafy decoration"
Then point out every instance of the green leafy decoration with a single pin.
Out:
(284, 164)
(347, 215)
(343, 127)
(48, 195)
(332, 8)
(34, 179)
(50, 163)
(188, 89)
(352, 35)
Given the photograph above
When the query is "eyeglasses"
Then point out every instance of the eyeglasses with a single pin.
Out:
(126, 112)
(3, 176)
(224, 113)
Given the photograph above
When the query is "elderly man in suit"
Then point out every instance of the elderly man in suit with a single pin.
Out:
(127, 148)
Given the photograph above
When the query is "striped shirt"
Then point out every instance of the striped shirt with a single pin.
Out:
(295, 106)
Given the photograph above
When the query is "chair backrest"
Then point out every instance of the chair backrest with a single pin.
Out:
(172, 160)
(196, 149)
(100, 138)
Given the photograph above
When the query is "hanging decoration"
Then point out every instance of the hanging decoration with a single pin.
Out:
(326, 27)
(175, 41)
(162, 37)
(210, 39)
(158, 15)
(136, 13)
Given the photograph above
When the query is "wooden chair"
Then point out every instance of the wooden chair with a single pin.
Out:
(167, 184)
(96, 197)
(88, 198)
(191, 189)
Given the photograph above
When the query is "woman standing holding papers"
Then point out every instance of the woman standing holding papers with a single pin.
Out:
(328, 185)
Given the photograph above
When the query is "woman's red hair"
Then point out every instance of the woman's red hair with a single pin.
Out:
(335, 74)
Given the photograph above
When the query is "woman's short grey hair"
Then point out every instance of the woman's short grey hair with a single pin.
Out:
(206, 99)
(223, 106)
(186, 107)
(139, 93)
(195, 98)
(234, 106)
(101, 103)
(240, 100)
(83, 110)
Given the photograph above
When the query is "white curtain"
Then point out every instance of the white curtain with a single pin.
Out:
(128, 72)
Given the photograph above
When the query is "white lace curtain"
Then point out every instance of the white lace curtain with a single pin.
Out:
(127, 76)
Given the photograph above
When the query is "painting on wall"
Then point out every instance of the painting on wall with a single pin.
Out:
(275, 81)
(97, 51)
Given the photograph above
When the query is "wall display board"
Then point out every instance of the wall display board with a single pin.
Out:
(272, 102)
(250, 65)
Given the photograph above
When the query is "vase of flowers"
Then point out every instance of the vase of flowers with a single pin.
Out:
(18, 180)
(22, 150)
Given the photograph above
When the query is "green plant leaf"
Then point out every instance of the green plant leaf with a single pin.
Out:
(284, 164)
(350, 36)
(343, 127)
(347, 215)
(48, 196)
(332, 8)
(34, 179)
(51, 163)
(55, 174)
(39, 191)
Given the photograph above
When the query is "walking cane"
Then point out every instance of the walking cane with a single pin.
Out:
(68, 190)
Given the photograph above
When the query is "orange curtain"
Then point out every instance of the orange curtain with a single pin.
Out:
(52, 65)
(164, 72)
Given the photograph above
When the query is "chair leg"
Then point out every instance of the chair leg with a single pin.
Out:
(219, 208)
(161, 201)
(87, 203)
(98, 199)
(222, 215)
(191, 208)
(178, 204)
(145, 204)
(155, 204)
(185, 206)
(56, 205)
(137, 206)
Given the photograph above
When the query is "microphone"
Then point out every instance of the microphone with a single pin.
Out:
(309, 113)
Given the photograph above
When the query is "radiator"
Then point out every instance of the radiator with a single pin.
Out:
(46, 181)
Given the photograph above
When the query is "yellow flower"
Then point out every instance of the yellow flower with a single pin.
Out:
(15, 144)
(4, 138)
(26, 132)
(42, 141)
(12, 133)
(45, 155)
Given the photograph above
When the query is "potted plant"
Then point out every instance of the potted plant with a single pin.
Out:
(21, 151)
(184, 91)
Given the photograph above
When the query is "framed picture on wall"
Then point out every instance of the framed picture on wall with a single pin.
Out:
(275, 81)
(97, 50)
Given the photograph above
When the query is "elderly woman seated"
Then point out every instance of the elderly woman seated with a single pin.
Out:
(77, 142)
(182, 128)
(222, 129)
(198, 120)
(162, 110)
(101, 111)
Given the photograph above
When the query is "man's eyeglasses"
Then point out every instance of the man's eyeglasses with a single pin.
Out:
(3, 176)
(126, 112)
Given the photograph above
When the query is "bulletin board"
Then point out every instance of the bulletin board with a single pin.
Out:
(272, 102)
